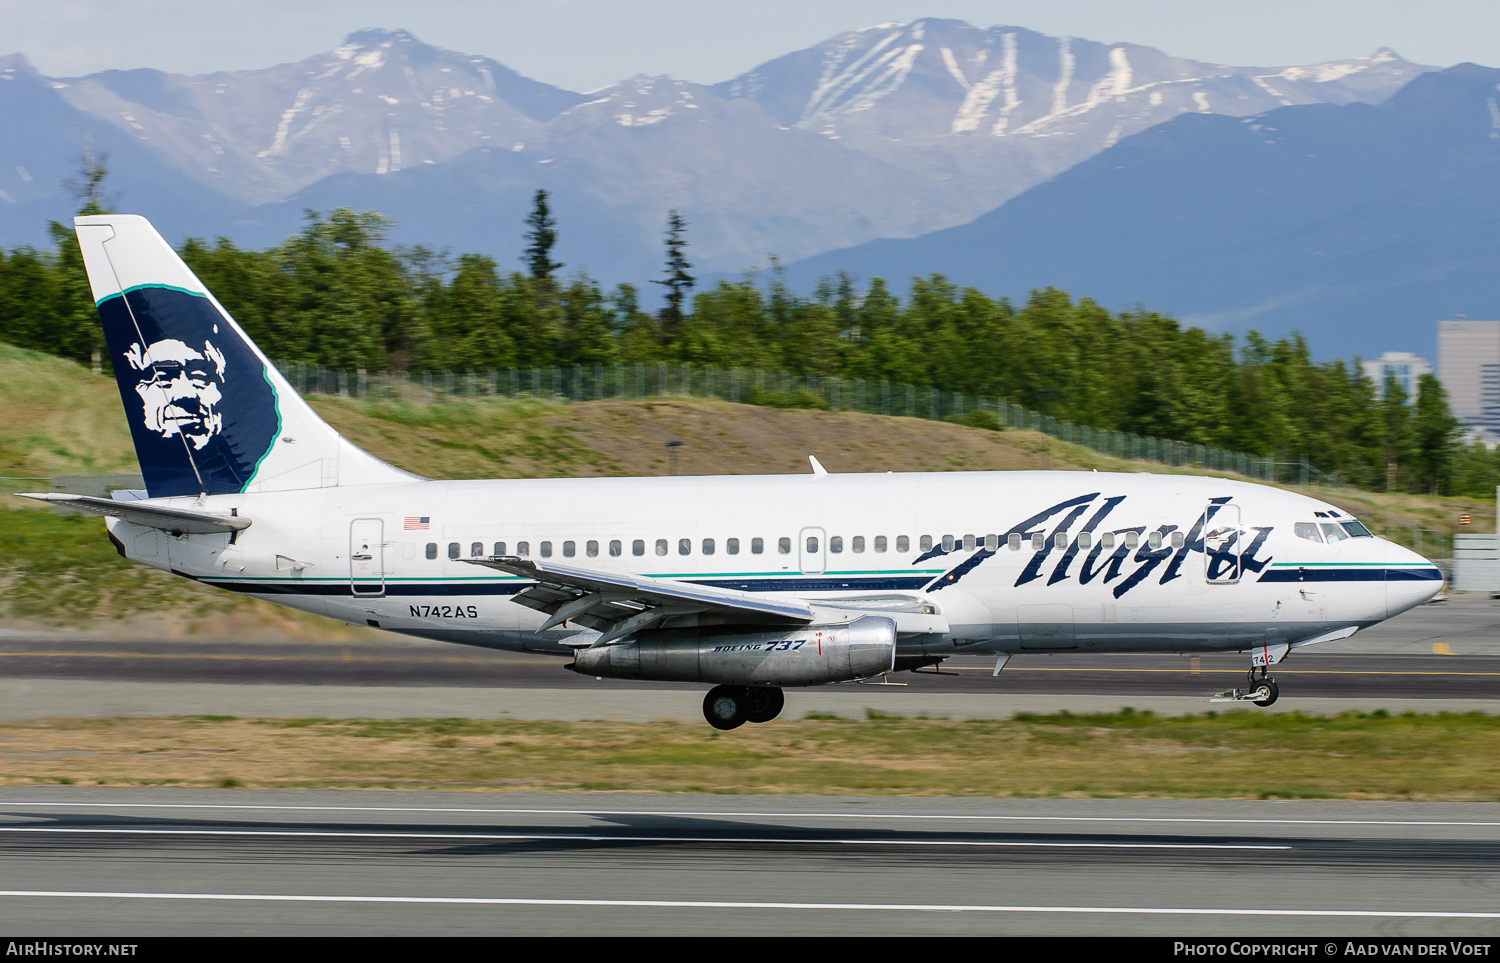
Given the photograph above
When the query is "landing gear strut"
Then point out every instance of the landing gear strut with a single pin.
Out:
(1263, 691)
(731, 706)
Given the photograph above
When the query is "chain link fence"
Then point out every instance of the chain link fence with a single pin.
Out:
(779, 389)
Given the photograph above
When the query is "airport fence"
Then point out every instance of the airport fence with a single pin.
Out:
(781, 389)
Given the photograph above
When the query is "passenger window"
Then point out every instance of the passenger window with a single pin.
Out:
(1357, 530)
(708, 546)
(499, 548)
(1334, 532)
(570, 549)
(1038, 541)
(812, 543)
(903, 544)
(1132, 539)
(661, 546)
(684, 546)
(880, 543)
(523, 548)
(615, 548)
(1154, 540)
(1060, 540)
(1014, 541)
(835, 544)
(947, 543)
(476, 550)
(784, 546)
(757, 545)
(638, 547)
(1084, 541)
(992, 543)
(454, 549)
(1178, 539)
(591, 548)
(432, 549)
(732, 546)
(926, 543)
(970, 543)
(546, 550)
(857, 543)
(1107, 539)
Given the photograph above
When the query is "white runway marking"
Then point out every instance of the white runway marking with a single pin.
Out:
(745, 905)
(1251, 820)
(580, 838)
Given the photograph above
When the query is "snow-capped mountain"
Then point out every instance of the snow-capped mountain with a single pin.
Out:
(890, 131)
(999, 110)
(380, 102)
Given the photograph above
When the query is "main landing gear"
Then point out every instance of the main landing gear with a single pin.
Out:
(1262, 692)
(731, 706)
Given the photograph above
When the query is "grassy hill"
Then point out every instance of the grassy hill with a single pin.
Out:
(57, 418)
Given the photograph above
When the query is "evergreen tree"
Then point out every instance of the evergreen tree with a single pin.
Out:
(678, 282)
(1435, 436)
(540, 240)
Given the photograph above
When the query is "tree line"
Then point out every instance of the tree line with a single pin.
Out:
(336, 294)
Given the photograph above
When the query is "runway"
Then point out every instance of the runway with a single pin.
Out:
(1437, 658)
(158, 862)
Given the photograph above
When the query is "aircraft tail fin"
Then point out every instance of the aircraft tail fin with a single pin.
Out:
(208, 413)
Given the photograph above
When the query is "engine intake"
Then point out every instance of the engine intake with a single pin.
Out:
(811, 655)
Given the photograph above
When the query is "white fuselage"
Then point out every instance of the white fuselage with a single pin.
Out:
(1072, 564)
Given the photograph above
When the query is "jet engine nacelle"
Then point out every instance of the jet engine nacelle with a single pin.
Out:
(811, 655)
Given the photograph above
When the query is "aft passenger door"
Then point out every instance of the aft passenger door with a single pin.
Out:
(367, 556)
(1223, 541)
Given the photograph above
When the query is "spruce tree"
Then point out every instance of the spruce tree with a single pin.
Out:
(678, 282)
(541, 239)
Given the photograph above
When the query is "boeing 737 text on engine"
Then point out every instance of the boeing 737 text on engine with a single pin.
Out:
(749, 584)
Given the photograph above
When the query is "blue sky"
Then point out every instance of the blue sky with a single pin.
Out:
(582, 44)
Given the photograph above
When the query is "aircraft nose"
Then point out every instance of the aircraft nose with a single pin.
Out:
(1410, 579)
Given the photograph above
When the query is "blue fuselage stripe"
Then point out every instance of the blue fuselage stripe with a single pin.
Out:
(1352, 575)
(473, 587)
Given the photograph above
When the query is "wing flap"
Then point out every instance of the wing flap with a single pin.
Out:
(175, 521)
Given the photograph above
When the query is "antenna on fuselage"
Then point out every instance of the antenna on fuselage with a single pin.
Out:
(817, 466)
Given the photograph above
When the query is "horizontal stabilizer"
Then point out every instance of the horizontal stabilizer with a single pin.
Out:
(175, 521)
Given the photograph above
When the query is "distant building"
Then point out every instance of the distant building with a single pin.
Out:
(1469, 367)
(1404, 366)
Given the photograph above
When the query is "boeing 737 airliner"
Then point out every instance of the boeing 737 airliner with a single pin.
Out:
(750, 584)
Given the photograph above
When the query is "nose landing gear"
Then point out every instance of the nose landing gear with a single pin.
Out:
(731, 706)
(1262, 691)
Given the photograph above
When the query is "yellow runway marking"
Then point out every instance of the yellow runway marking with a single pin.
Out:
(1280, 671)
(345, 656)
(1441, 648)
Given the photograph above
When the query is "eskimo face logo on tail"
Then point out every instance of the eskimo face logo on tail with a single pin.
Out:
(202, 412)
(180, 389)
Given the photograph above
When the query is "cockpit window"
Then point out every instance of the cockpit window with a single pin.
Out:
(1333, 532)
(1308, 530)
(1357, 530)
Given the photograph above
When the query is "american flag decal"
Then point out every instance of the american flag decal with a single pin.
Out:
(417, 524)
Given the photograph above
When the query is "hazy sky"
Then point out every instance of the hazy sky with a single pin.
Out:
(582, 44)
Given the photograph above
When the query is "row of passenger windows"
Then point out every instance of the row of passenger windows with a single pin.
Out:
(836, 544)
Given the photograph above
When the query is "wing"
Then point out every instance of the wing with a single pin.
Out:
(616, 605)
(177, 521)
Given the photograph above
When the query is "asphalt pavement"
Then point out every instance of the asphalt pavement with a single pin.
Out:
(1439, 657)
(115, 863)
